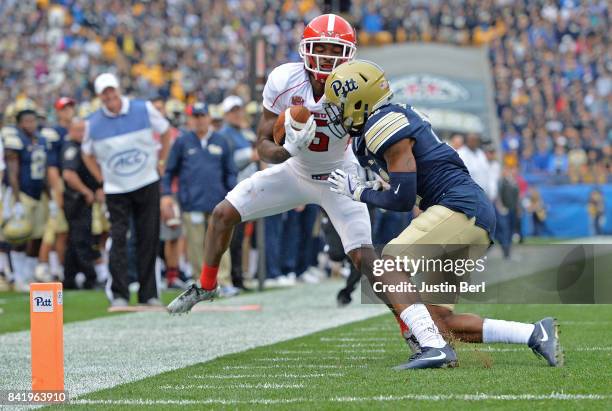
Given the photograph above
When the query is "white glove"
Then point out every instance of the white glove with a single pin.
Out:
(18, 210)
(376, 185)
(296, 140)
(53, 209)
(349, 185)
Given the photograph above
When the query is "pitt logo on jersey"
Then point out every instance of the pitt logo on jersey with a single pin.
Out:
(340, 89)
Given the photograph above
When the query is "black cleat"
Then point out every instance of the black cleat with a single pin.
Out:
(430, 357)
(544, 341)
(343, 298)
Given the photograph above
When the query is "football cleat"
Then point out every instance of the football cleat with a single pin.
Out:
(343, 298)
(430, 357)
(190, 297)
(544, 341)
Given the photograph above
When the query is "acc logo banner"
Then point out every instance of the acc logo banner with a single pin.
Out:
(343, 89)
(42, 301)
(128, 162)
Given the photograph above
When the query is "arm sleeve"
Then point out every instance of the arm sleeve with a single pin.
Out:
(401, 196)
(173, 166)
(158, 122)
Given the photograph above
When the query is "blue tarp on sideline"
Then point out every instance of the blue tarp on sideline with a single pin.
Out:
(567, 213)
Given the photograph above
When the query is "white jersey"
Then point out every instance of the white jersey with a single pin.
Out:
(289, 85)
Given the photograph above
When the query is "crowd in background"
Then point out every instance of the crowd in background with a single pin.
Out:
(552, 71)
(550, 60)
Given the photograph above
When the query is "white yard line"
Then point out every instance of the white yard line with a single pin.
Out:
(266, 386)
(283, 375)
(381, 398)
(523, 348)
(292, 366)
(106, 352)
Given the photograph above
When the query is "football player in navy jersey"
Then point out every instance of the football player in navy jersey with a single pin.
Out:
(399, 143)
(26, 157)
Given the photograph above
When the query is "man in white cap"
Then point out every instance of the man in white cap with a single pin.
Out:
(121, 153)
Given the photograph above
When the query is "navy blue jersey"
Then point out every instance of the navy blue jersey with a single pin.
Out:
(442, 178)
(55, 137)
(32, 154)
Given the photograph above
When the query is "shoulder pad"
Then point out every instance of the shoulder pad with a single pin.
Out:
(11, 139)
(50, 134)
(383, 126)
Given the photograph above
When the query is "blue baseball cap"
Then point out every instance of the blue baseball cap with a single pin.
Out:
(197, 109)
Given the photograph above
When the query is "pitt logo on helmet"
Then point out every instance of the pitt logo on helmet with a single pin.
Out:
(352, 92)
(339, 89)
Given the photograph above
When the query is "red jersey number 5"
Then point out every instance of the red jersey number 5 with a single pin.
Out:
(321, 140)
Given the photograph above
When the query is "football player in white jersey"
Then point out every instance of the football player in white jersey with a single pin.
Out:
(301, 165)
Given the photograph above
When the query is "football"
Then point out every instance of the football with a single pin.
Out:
(299, 117)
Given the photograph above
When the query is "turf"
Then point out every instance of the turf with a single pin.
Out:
(349, 367)
(78, 306)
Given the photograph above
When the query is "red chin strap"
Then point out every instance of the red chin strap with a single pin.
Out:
(320, 77)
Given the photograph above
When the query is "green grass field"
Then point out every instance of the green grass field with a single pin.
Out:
(349, 367)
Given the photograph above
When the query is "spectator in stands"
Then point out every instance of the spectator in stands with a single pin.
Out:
(537, 208)
(456, 141)
(120, 152)
(475, 160)
(507, 206)
(597, 212)
(81, 191)
(558, 164)
(202, 160)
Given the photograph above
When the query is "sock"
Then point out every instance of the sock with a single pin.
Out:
(30, 266)
(60, 272)
(54, 262)
(417, 318)
(208, 278)
(18, 260)
(101, 272)
(404, 330)
(42, 271)
(510, 332)
(3, 265)
(172, 274)
(6, 266)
